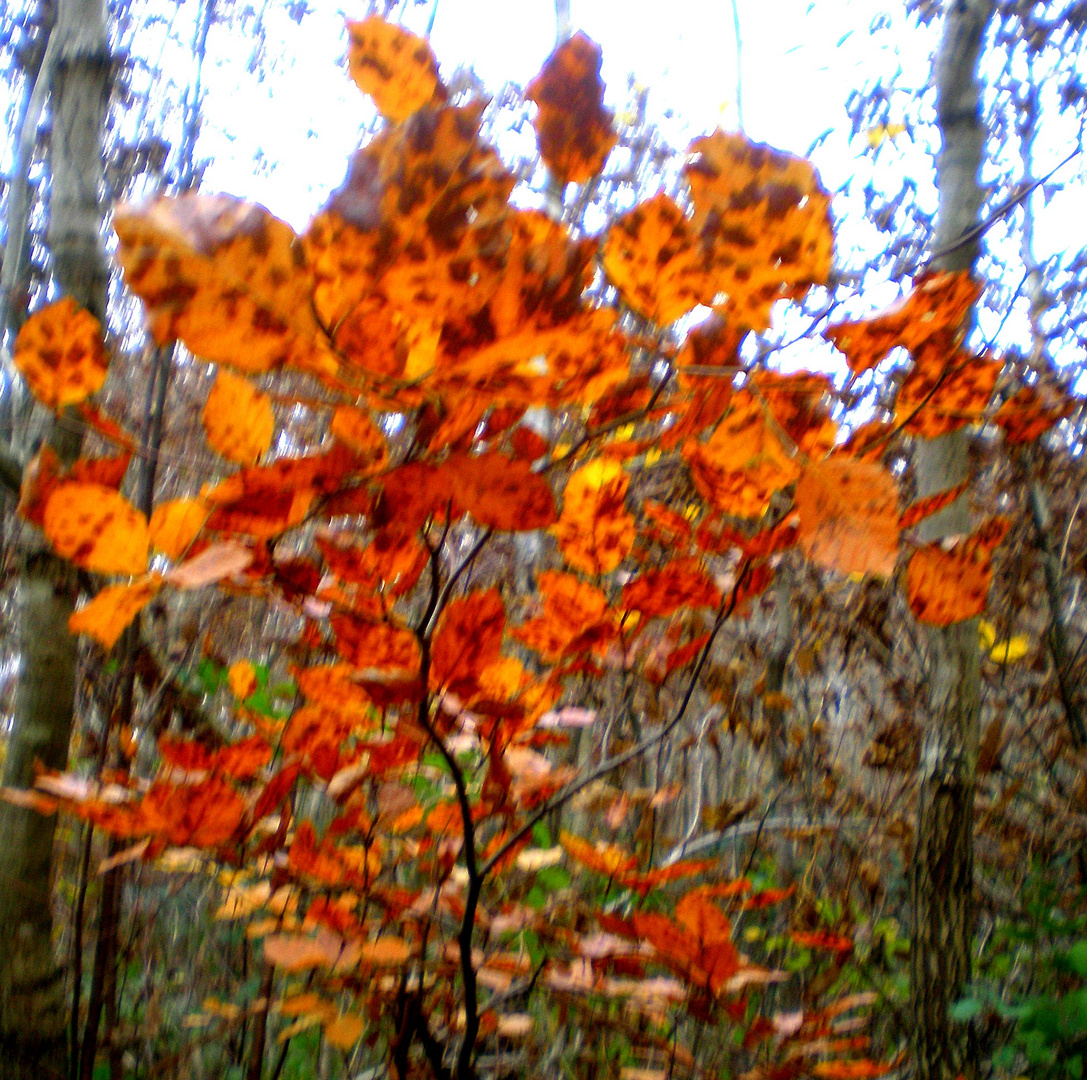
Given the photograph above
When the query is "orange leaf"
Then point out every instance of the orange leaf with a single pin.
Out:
(651, 257)
(858, 1069)
(570, 608)
(743, 463)
(1031, 411)
(294, 952)
(501, 492)
(345, 1030)
(59, 352)
(238, 419)
(594, 530)
(96, 528)
(356, 430)
(391, 64)
(227, 278)
(391, 562)
(242, 677)
(849, 516)
(573, 128)
(386, 951)
(937, 306)
(110, 612)
(375, 645)
(175, 524)
(822, 939)
(606, 859)
(204, 814)
(680, 584)
(950, 586)
(467, 639)
(764, 221)
(930, 505)
(945, 390)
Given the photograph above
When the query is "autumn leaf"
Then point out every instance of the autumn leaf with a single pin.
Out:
(1031, 411)
(212, 565)
(937, 306)
(107, 616)
(242, 678)
(682, 583)
(97, 528)
(345, 1030)
(356, 430)
(391, 64)
(849, 516)
(595, 532)
(225, 277)
(467, 639)
(931, 504)
(601, 858)
(948, 585)
(743, 462)
(945, 390)
(175, 524)
(59, 352)
(375, 645)
(501, 492)
(238, 419)
(573, 128)
(651, 257)
(763, 218)
(571, 607)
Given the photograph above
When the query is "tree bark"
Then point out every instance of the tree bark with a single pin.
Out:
(941, 872)
(32, 1015)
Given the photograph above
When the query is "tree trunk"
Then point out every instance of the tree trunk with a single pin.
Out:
(32, 1020)
(941, 877)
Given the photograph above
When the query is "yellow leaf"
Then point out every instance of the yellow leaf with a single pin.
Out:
(1015, 648)
(238, 419)
(393, 65)
(881, 132)
(987, 633)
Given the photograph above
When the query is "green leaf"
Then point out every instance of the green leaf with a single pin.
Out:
(536, 898)
(541, 835)
(965, 1010)
(553, 878)
(531, 941)
(1077, 958)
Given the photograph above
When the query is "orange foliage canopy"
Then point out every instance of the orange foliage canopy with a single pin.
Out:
(429, 314)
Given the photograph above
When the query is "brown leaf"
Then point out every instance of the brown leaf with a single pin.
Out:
(59, 352)
(573, 128)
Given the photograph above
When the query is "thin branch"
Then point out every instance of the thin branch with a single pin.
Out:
(636, 751)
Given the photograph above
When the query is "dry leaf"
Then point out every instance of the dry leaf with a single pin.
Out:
(238, 419)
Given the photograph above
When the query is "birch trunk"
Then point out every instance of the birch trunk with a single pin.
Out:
(941, 879)
(32, 1014)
